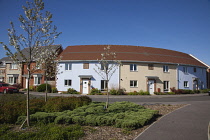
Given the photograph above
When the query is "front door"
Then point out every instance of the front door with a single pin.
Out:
(195, 85)
(151, 86)
(85, 86)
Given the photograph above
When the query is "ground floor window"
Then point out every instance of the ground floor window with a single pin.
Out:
(37, 80)
(186, 84)
(166, 86)
(13, 80)
(67, 82)
(103, 85)
(1, 79)
(133, 83)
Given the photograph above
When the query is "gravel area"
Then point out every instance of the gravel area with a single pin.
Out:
(113, 133)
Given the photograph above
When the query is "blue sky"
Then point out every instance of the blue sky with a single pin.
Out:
(181, 25)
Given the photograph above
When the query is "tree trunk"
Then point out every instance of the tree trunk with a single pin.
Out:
(46, 91)
(107, 91)
(27, 101)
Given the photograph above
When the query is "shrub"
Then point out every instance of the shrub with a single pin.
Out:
(117, 91)
(48, 132)
(54, 90)
(72, 91)
(42, 88)
(141, 92)
(43, 117)
(11, 110)
(120, 114)
(95, 91)
(58, 104)
(31, 88)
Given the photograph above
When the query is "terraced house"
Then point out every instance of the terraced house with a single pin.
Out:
(17, 73)
(143, 68)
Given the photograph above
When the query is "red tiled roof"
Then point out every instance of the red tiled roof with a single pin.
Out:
(129, 53)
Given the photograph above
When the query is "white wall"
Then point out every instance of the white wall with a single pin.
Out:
(77, 69)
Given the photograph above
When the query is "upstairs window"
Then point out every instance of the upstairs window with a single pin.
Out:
(185, 69)
(165, 68)
(86, 66)
(150, 67)
(13, 66)
(194, 69)
(133, 67)
(68, 66)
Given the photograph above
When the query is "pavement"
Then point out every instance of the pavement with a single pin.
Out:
(190, 122)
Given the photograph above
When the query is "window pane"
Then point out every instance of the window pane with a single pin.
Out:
(131, 83)
(69, 82)
(150, 66)
(86, 66)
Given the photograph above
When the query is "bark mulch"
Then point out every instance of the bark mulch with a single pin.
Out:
(113, 133)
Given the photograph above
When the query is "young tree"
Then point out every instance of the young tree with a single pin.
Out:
(107, 67)
(49, 64)
(37, 31)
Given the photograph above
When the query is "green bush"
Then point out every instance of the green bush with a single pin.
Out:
(95, 91)
(72, 91)
(204, 90)
(42, 88)
(43, 132)
(141, 92)
(11, 110)
(117, 91)
(54, 90)
(58, 104)
(120, 114)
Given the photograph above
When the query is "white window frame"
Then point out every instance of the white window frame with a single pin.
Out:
(104, 85)
(68, 66)
(12, 80)
(185, 70)
(67, 82)
(133, 83)
(133, 67)
(37, 80)
(1, 79)
(13, 66)
(166, 86)
(165, 68)
(186, 84)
